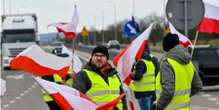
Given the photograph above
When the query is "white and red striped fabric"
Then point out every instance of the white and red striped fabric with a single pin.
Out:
(210, 22)
(71, 99)
(184, 41)
(126, 58)
(77, 64)
(40, 63)
(69, 29)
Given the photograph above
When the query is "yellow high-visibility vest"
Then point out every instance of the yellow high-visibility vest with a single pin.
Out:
(147, 83)
(183, 79)
(101, 92)
(69, 82)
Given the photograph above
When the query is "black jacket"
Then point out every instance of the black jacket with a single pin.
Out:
(140, 69)
(83, 83)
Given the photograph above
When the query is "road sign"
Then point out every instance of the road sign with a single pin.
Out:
(185, 14)
(84, 32)
(131, 28)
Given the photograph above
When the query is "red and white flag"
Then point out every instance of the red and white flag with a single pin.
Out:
(184, 41)
(69, 29)
(77, 64)
(126, 58)
(210, 22)
(38, 62)
(71, 99)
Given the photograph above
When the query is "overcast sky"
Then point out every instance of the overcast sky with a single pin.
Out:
(50, 11)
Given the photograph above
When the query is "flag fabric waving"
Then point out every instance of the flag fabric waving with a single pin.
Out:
(40, 63)
(77, 64)
(210, 22)
(69, 29)
(184, 41)
(71, 99)
(124, 60)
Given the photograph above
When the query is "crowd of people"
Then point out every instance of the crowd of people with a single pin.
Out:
(167, 84)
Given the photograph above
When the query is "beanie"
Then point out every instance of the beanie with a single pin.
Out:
(101, 49)
(170, 41)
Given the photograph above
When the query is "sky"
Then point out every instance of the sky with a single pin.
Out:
(91, 12)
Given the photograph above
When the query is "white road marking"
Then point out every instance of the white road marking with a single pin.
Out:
(206, 95)
(201, 108)
(20, 96)
(26, 91)
(12, 101)
(6, 105)
(213, 99)
(217, 103)
(21, 76)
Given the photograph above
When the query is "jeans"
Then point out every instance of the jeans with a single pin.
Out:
(146, 103)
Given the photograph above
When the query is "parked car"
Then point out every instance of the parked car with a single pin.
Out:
(113, 44)
(207, 60)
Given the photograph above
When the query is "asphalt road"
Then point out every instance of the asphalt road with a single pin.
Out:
(24, 94)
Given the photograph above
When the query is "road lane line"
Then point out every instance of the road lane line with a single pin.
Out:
(206, 95)
(213, 99)
(201, 108)
(26, 91)
(12, 101)
(21, 76)
(20, 96)
(217, 103)
(6, 105)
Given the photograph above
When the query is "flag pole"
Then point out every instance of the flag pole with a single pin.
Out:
(196, 38)
(73, 44)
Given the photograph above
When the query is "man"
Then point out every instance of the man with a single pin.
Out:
(177, 80)
(143, 79)
(98, 80)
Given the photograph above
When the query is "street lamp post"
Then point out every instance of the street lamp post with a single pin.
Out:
(114, 6)
(102, 12)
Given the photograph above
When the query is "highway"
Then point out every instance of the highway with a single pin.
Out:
(24, 94)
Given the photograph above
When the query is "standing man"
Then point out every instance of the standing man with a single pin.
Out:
(177, 80)
(98, 80)
(143, 79)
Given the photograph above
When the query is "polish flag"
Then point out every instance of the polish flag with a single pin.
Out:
(184, 41)
(71, 99)
(124, 60)
(210, 22)
(69, 29)
(40, 63)
(77, 64)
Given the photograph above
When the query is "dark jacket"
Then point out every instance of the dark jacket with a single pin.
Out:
(140, 69)
(182, 56)
(83, 83)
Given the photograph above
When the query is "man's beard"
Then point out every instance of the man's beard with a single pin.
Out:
(98, 66)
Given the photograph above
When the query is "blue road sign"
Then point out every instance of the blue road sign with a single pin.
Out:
(131, 28)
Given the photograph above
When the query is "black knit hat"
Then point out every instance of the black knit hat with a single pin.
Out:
(101, 49)
(170, 41)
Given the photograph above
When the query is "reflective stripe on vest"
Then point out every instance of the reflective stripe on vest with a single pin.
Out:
(101, 92)
(46, 96)
(147, 83)
(183, 79)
